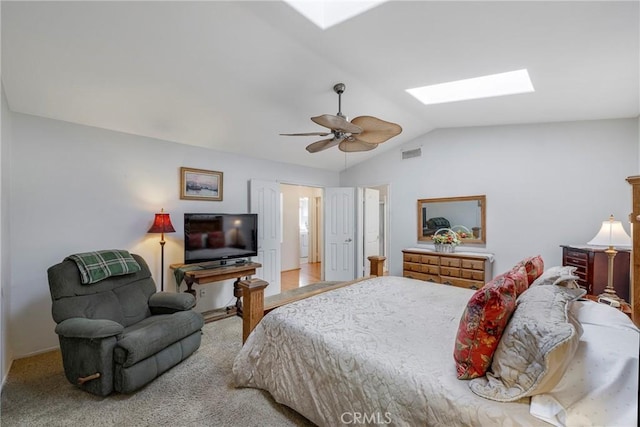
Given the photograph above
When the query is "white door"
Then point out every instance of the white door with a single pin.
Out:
(371, 225)
(339, 234)
(265, 201)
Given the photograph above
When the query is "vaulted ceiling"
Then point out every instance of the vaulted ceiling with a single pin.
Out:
(232, 76)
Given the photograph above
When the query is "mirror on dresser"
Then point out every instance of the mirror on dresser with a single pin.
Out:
(465, 213)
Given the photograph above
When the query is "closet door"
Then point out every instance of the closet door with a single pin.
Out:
(339, 234)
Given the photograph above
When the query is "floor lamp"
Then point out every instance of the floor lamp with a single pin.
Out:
(611, 234)
(162, 224)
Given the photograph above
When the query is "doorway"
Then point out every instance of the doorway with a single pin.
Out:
(374, 228)
(301, 243)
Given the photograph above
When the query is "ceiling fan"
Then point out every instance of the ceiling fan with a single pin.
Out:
(363, 133)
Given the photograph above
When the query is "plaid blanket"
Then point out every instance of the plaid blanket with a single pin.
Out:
(98, 265)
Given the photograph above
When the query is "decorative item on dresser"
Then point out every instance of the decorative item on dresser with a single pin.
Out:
(592, 267)
(463, 269)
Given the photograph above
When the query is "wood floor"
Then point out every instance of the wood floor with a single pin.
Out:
(307, 274)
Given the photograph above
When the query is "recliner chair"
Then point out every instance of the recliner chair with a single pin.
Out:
(119, 333)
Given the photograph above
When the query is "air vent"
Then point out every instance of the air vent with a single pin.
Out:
(409, 154)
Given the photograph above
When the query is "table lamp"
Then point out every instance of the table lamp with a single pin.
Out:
(611, 234)
(162, 224)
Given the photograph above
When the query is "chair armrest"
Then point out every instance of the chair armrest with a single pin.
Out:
(79, 327)
(169, 302)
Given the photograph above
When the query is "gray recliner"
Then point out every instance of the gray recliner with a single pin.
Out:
(119, 333)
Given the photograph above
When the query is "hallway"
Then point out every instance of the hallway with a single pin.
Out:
(307, 274)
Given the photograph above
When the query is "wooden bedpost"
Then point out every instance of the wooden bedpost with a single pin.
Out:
(252, 305)
(634, 218)
(377, 265)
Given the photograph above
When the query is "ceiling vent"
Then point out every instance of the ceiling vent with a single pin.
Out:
(409, 154)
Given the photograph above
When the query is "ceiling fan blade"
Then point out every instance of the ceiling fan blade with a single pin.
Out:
(353, 145)
(323, 144)
(375, 130)
(307, 134)
(336, 123)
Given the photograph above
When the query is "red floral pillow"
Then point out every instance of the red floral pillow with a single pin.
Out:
(534, 266)
(520, 278)
(481, 326)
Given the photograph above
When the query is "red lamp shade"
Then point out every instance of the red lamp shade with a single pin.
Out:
(162, 224)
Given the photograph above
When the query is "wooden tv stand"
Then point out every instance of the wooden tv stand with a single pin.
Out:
(218, 274)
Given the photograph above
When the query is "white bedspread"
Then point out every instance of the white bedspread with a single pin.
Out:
(378, 352)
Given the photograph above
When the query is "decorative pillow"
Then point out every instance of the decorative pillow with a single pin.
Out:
(520, 279)
(481, 326)
(536, 348)
(558, 275)
(534, 266)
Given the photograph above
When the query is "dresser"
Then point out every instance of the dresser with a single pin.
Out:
(463, 269)
(592, 266)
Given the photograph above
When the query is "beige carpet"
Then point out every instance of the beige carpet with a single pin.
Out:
(197, 392)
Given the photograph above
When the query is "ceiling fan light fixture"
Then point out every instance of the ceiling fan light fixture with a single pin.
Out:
(509, 83)
(363, 133)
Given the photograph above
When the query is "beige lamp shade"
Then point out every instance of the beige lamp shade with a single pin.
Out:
(611, 234)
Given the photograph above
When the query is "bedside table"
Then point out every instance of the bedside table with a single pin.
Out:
(624, 307)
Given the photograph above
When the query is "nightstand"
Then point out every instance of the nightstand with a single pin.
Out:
(592, 265)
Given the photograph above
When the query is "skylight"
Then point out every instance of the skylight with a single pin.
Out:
(510, 83)
(326, 13)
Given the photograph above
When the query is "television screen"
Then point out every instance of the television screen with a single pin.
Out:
(215, 237)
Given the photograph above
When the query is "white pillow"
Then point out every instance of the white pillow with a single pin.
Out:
(558, 275)
(600, 387)
(536, 347)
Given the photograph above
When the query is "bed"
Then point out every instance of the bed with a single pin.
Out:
(345, 353)
(379, 351)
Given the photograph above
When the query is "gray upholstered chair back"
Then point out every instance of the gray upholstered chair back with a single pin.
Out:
(123, 299)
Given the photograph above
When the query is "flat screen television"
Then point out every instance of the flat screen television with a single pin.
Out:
(219, 237)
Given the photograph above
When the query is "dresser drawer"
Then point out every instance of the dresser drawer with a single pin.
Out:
(449, 262)
(472, 274)
(577, 261)
(576, 254)
(581, 273)
(421, 276)
(429, 259)
(449, 271)
(473, 264)
(409, 257)
(462, 283)
(430, 269)
(412, 266)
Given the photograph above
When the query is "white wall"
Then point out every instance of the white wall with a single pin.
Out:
(546, 184)
(6, 353)
(76, 188)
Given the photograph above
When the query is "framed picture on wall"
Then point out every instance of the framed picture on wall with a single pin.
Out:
(200, 184)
